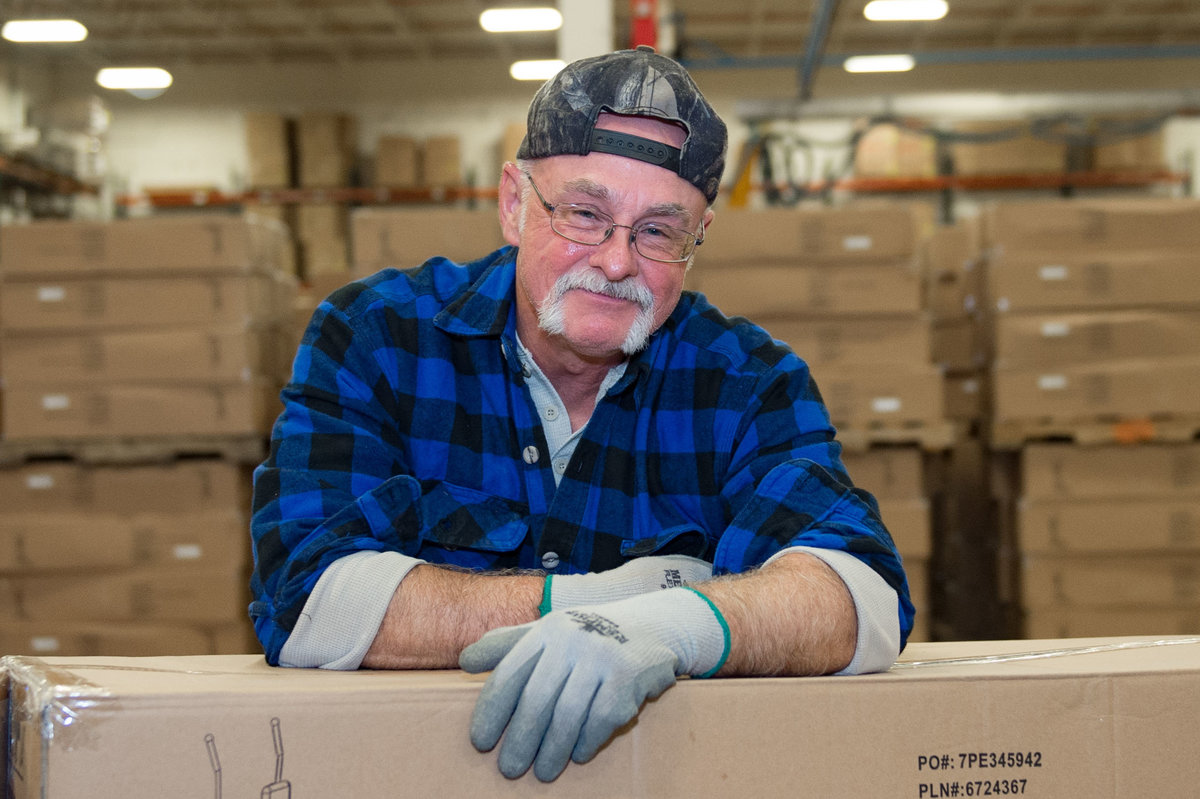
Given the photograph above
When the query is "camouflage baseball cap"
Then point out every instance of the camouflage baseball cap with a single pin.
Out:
(640, 82)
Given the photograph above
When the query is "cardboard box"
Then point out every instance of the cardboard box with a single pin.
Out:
(48, 541)
(1080, 717)
(326, 149)
(1097, 226)
(1005, 147)
(268, 150)
(510, 142)
(1043, 339)
(442, 161)
(953, 265)
(128, 639)
(208, 596)
(183, 243)
(1077, 622)
(130, 410)
(959, 346)
(193, 484)
(855, 340)
(1092, 280)
(890, 151)
(1110, 525)
(965, 396)
(866, 233)
(1146, 152)
(1116, 581)
(760, 291)
(1124, 389)
(911, 525)
(891, 472)
(185, 354)
(407, 237)
(876, 396)
(1067, 471)
(81, 304)
(397, 162)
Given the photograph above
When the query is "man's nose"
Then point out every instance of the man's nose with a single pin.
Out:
(617, 256)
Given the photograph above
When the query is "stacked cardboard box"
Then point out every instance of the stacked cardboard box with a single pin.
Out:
(888, 150)
(1110, 539)
(124, 559)
(1096, 316)
(143, 364)
(844, 289)
(404, 237)
(903, 482)
(1096, 304)
(156, 327)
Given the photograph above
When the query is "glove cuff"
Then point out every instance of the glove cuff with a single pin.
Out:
(725, 639)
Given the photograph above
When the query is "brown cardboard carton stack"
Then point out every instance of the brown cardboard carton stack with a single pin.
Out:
(843, 287)
(143, 364)
(143, 328)
(403, 237)
(1096, 305)
(1095, 319)
(133, 559)
(1110, 539)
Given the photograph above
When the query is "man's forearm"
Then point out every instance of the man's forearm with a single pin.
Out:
(436, 612)
(792, 617)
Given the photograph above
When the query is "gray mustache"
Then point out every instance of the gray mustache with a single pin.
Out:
(625, 289)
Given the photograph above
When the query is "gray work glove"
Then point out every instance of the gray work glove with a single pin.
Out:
(638, 576)
(564, 684)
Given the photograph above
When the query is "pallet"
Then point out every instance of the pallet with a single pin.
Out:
(933, 436)
(159, 449)
(1016, 434)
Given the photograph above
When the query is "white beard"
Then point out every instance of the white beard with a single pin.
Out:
(552, 314)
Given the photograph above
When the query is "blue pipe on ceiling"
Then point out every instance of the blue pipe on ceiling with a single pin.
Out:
(814, 50)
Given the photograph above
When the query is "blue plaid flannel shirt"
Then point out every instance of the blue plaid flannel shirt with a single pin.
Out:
(407, 426)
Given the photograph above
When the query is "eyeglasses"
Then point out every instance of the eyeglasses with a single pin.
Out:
(584, 224)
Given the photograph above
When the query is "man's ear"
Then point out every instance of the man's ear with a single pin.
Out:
(509, 206)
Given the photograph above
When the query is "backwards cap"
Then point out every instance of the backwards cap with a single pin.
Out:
(563, 114)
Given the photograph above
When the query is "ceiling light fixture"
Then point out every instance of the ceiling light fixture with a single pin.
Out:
(143, 82)
(515, 20)
(43, 30)
(905, 10)
(536, 70)
(879, 63)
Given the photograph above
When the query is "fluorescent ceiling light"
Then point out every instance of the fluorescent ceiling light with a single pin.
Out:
(510, 20)
(536, 70)
(903, 10)
(43, 30)
(130, 78)
(879, 63)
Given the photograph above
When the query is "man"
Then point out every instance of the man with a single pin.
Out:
(536, 462)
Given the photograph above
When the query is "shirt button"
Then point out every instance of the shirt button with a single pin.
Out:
(550, 560)
(560, 466)
(551, 414)
(530, 454)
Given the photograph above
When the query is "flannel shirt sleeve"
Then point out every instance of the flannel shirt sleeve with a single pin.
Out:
(787, 487)
(335, 481)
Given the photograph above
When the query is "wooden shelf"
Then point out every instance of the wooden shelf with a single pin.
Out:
(199, 198)
(38, 177)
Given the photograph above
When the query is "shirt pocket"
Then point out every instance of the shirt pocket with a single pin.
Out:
(685, 538)
(457, 517)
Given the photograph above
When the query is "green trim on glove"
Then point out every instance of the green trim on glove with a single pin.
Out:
(724, 633)
(545, 608)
